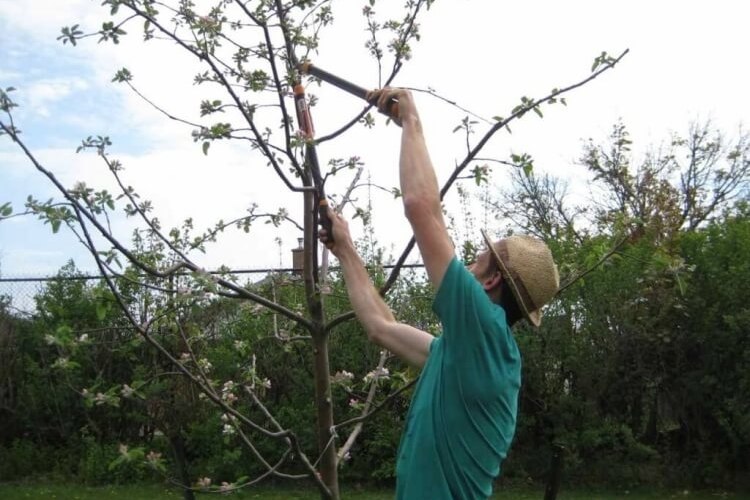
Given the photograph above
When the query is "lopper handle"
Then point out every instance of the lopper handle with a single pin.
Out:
(304, 118)
(308, 68)
(325, 220)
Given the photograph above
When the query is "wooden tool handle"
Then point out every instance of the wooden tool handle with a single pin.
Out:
(307, 68)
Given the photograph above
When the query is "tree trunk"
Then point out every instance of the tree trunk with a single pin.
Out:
(321, 368)
(324, 407)
(555, 473)
(180, 460)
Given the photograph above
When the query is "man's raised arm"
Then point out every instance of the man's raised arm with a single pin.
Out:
(419, 186)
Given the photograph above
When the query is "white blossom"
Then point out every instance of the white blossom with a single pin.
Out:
(226, 392)
(127, 391)
(61, 362)
(205, 365)
(204, 482)
(376, 374)
(342, 377)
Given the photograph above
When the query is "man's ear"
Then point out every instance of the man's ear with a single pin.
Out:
(492, 282)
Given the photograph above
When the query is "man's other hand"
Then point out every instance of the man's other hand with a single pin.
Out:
(342, 240)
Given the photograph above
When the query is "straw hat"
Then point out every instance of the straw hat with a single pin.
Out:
(527, 264)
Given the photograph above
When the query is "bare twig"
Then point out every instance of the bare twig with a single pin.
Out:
(571, 281)
(485, 139)
(344, 449)
(85, 214)
(338, 209)
(453, 103)
(379, 406)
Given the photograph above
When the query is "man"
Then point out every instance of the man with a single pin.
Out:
(463, 413)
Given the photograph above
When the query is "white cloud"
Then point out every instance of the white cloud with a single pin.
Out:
(41, 18)
(45, 93)
(7, 76)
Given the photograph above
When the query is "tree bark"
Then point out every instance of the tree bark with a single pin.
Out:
(324, 407)
(555, 473)
(180, 460)
(321, 369)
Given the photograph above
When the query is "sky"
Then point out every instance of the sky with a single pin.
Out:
(687, 62)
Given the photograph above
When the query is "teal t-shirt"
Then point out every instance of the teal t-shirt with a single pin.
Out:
(463, 414)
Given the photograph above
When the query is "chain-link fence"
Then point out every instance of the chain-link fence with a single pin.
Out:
(21, 291)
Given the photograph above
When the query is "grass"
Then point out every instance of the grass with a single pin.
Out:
(161, 492)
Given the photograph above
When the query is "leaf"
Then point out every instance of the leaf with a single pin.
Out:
(122, 75)
(101, 311)
(538, 112)
(55, 225)
(6, 209)
(206, 145)
(114, 464)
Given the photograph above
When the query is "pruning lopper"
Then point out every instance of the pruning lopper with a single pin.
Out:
(304, 121)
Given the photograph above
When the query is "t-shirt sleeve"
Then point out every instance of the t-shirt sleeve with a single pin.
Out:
(466, 312)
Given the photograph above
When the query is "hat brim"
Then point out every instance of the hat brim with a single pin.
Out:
(533, 317)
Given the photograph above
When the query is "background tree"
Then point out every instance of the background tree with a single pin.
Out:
(609, 374)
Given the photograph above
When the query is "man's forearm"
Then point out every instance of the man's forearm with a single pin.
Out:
(367, 303)
(417, 175)
(408, 343)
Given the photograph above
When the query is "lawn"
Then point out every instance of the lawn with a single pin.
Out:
(156, 492)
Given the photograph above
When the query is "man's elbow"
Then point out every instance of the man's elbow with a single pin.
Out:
(376, 329)
(418, 207)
